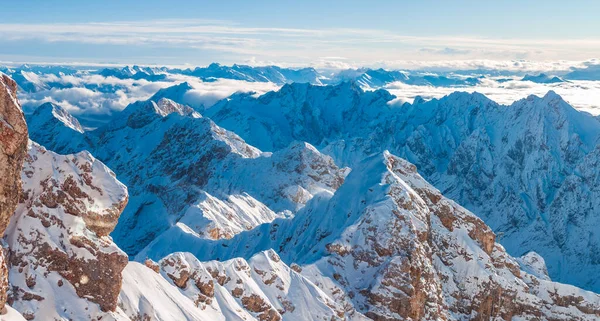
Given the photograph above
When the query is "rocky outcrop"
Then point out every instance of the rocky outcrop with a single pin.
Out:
(63, 264)
(13, 143)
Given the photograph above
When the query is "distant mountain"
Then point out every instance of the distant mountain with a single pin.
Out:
(372, 78)
(542, 79)
(135, 72)
(272, 74)
(377, 78)
(29, 78)
(179, 93)
(591, 72)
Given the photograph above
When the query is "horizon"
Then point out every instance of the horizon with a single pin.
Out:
(516, 67)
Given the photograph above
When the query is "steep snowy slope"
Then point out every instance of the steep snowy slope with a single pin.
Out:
(505, 163)
(60, 129)
(262, 288)
(182, 168)
(302, 112)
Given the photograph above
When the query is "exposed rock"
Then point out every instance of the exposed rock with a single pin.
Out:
(13, 144)
(152, 265)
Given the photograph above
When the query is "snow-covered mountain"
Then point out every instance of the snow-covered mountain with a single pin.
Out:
(60, 128)
(512, 165)
(272, 74)
(400, 250)
(235, 233)
(63, 263)
(135, 72)
(378, 78)
(591, 72)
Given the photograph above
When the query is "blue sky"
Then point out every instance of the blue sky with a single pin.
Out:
(327, 33)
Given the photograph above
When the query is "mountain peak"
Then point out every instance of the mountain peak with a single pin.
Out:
(49, 110)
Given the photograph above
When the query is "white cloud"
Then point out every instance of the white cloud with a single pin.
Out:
(583, 95)
(80, 100)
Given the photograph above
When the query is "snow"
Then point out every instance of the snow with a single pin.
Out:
(11, 315)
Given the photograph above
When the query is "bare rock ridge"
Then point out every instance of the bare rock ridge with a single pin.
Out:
(13, 143)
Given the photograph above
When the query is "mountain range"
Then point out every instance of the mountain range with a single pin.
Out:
(514, 166)
(297, 205)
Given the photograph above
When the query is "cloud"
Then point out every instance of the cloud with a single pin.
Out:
(87, 95)
(208, 93)
(300, 46)
(583, 95)
(446, 51)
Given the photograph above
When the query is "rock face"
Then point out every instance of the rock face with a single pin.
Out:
(63, 264)
(13, 144)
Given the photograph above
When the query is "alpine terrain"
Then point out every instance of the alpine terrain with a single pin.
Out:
(296, 205)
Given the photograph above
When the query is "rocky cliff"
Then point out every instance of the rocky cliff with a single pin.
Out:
(13, 143)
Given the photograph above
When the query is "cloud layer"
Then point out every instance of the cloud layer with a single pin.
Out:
(95, 96)
(583, 95)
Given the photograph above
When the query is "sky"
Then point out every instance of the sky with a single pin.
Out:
(326, 34)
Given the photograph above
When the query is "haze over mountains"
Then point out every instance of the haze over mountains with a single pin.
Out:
(270, 193)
